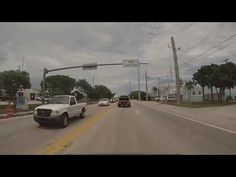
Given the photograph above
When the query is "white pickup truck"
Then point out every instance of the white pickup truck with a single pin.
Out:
(59, 110)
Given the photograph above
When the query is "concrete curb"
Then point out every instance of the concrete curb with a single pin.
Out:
(4, 116)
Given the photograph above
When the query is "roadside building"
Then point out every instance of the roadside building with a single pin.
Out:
(31, 94)
(165, 91)
(196, 95)
(193, 95)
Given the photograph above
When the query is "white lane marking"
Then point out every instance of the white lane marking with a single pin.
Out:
(213, 126)
(136, 111)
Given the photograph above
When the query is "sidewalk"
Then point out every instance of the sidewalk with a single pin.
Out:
(222, 116)
(29, 102)
(4, 116)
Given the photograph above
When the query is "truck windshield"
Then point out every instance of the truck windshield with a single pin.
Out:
(59, 100)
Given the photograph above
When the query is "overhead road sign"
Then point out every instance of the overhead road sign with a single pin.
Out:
(90, 66)
(131, 62)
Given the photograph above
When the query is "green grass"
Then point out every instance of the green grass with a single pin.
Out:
(199, 104)
(31, 108)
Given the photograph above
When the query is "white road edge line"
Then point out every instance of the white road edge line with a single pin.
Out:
(136, 111)
(213, 126)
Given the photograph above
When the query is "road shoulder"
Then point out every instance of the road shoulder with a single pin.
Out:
(217, 116)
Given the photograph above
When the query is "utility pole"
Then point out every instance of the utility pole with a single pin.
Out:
(176, 70)
(130, 88)
(146, 85)
(45, 71)
(171, 75)
(93, 81)
(23, 63)
(158, 86)
(168, 81)
(158, 82)
(139, 97)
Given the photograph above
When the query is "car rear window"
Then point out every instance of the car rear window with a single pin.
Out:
(124, 98)
(104, 99)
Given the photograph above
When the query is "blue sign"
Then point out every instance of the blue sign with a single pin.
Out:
(21, 103)
(22, 100)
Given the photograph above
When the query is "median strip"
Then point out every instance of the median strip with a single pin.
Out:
(61, 144)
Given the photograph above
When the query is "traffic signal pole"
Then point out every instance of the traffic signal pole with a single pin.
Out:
(139, 96)
(93, 66)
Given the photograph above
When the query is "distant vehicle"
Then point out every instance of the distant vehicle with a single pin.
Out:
(39, 98)
(104, 102)
(124, 101)
(113, 100)
(171, 97)
(60, 109)
(160, 98)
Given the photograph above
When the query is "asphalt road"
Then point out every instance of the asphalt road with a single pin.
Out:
(111, 130)
(22, 135)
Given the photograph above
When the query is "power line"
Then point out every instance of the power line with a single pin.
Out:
(220, 25)
(208, 50)
(154, 31)
(218, 49)
(182, 31)
(17, 62)
(206, 55)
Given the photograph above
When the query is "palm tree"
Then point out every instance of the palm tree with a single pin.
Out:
(155, 89)
(200, 78)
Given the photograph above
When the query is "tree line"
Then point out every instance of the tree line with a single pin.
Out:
(212, 76)
(10, 81)
(60, 85)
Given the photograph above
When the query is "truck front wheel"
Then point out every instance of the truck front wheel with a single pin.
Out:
(82, 114)
(64, 121)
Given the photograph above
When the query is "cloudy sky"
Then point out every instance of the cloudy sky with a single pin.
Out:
(54, 45)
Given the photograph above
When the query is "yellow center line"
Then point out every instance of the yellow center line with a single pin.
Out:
(62, 143)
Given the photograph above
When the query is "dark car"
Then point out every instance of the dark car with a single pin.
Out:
(124, 101)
